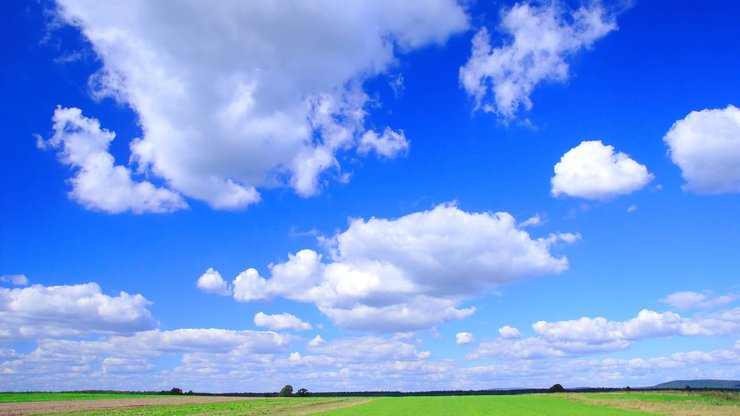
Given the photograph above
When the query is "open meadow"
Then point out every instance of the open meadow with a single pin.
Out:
(596, 404)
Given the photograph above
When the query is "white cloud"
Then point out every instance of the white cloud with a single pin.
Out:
(706, 146)
(539, 348)
(98, 183)
(280, 322)
(249, 285)
(463, 338)
(408, 273)
(366, 349)
(509, 332)
(125, 362)
(251, 94)
(612, 372)
(536, 220)
(597, 335)
(37, 311)
(316, 341)
(646, 324)
(15, 279)
(593, 170)
(541, 39)
(389, 144)
(212, 282)
(689, 300)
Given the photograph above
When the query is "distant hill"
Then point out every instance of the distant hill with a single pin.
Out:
(700, 384)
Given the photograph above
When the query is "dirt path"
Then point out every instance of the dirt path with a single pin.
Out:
(29, 408)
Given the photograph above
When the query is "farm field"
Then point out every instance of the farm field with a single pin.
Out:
(46, 396)
(596, 404)
(518, 405)
(176, 405)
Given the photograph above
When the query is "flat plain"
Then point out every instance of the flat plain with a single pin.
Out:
(572, 404)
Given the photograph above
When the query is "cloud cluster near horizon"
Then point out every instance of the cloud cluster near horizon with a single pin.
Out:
(403, 274)
(122, 354)
(588, 335)
(256, 95)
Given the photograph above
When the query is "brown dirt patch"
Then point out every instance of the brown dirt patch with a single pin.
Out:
(30, 408)
(326, 406)
(677, 408)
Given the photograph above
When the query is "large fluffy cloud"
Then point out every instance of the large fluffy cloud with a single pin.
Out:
(251, 94)
(706, 146)
(51, 311)
(541, 39)
(593, 170)
(407, 273)
(98, 182)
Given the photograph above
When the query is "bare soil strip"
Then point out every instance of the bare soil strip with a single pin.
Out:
(326, 406)
(30, 408)
(678, 408)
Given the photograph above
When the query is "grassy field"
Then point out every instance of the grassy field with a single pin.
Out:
(591, 404)
(44, 397)
(520, 405)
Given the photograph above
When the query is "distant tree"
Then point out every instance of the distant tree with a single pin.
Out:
(190, 392)
(557, 388)
(302, 393)
(286, 391)
(628, 388)
(176, 390)
(687, 388)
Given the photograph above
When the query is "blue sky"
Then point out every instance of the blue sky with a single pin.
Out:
(368, 197)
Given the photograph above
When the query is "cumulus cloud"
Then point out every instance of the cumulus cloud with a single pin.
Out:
(463, 338)
(539, 348)
(595, 335)
(646, 324)
(614, 372)
(280, 321)
(593, 170)
(123, 361)
(688, 300)
(408, 273)
(368, 349)
(389, 144)
(99, 183)
(706, 146)
(251, 94)
(509, 332)
(38, 311)
(15, 279)
(212, 282)
(541, 39)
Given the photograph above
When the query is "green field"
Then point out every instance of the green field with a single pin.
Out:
(520, 405)
(591, 404)
(44, 396)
